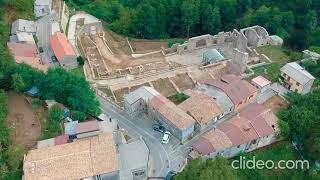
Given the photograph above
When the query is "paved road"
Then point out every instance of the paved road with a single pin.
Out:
(159, 156)
(163, 157)
(43, 34)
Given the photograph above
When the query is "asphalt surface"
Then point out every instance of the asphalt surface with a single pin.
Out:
(163, 157)
(136, 127)
(43, 34)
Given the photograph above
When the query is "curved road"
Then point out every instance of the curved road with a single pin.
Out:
(159, 157)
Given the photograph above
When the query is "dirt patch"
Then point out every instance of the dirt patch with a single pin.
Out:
(26, 128)
(120, 93)
(144, 46)
(164, 87)
(138, 86)
(276, 103)
(183, 81)
(105, 51)
(56, 5)
(9, 15)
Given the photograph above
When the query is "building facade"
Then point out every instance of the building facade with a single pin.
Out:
(42, 7)
(63, 50)
(296, 78)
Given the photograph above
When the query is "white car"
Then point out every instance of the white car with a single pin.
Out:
(166, 137)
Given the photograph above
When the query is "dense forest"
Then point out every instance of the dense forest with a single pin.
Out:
(294, 20)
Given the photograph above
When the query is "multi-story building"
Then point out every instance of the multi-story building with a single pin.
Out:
(296, 78)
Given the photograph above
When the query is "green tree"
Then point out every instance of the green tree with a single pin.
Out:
(228, 11)
(210, 19)
(55, 113)
(18, 83)
(211, 169)
(190, 10)
(15, 156)
(80, 60)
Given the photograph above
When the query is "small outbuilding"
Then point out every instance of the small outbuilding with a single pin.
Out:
(260, 83)
(42, 7)
(22, 25)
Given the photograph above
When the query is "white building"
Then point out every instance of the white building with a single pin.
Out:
(42, 7)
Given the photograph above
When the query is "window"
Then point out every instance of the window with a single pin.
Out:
(297, 83)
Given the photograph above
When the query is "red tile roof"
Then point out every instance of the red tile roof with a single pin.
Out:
(203, 146)
(202, 107)
(171, 112)
(236, 88)
(253, 122)
(61, 46)
(63, 139)
(88, 126)
(28, 54)
(23, 49)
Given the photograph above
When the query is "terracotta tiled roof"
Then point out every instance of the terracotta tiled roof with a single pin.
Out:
(26, 53)
(171, 112)
(87, 126)
(63, 139)
(77, 160)
(61, 46)
(261, 81)
(201, 106)
(236, 88)
(253, 122)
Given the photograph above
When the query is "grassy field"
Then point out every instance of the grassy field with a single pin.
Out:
(78, 71)
(269, 71)
(275, 53)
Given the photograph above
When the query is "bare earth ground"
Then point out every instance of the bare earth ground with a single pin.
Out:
(56, 5)
(164, 87)
(140, 45)
(22, 119)
(136, 87)
(276, 103)
(120, 55)
(120, 93)
(183, 81)
(9, 15)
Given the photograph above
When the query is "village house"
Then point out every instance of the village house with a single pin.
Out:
(42, 7)
(165, 112)
(135, 102)
(28, 54)
(241, 92)
(204, 109)
(63, 50)
(261, 83)
(94, 157)
(22, 25)
(307, 54)
(22, 37)
(296, 78)
(253, 128)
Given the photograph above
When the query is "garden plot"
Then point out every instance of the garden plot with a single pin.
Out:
(183, 81)
(164, 87)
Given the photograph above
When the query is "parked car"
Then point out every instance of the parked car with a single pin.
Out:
(166, 137)
(170, 175)
(159, 128)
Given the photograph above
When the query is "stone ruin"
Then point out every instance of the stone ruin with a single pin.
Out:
(239, 45)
